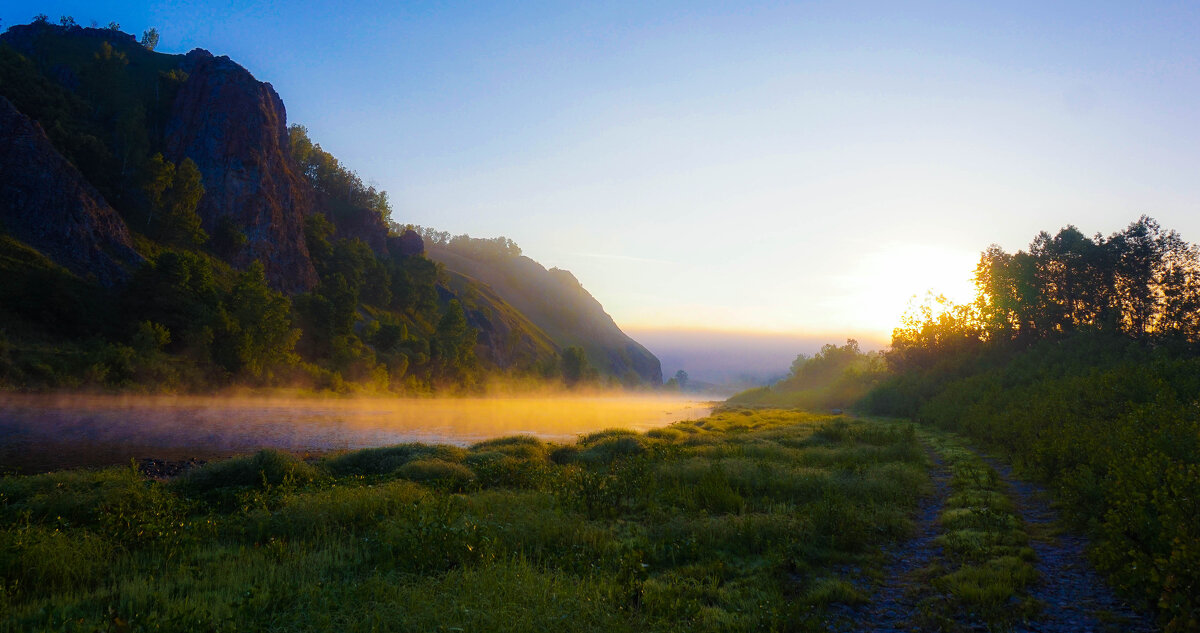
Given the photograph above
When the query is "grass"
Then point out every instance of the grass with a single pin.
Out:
(987, 563)
(739, 521)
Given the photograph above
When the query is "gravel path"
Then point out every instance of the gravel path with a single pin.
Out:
(894, 600)
(1076, 597)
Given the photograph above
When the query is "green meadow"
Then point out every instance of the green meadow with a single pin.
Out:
(739, 521)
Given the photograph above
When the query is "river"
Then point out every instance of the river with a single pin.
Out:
(46, 432)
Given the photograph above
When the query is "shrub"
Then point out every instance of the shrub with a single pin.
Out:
(437, 471)
(262, 469)
(385, 460)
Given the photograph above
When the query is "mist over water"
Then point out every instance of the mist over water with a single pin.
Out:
(46, 432)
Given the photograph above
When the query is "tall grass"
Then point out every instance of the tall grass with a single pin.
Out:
(733, 522)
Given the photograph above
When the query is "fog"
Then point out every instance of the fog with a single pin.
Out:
(42, 432)
(734, 360)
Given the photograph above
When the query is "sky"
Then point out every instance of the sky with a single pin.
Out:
(800, 169)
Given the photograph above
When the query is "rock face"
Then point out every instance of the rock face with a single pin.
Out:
(46, 203)
(235, 128)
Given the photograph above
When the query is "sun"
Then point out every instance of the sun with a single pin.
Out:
(883, 283)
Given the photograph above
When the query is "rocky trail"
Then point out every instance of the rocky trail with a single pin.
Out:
(895, 598)
(1074, 597)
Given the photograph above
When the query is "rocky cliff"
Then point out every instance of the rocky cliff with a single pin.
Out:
(235, 128)
(46, 203)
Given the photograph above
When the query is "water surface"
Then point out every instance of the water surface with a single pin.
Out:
(44, 432)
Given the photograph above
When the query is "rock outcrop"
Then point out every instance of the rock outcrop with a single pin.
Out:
(24, 37)
(235, 128)
(46, 203)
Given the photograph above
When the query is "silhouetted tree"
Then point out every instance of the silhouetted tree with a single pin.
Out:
(150, 38)
(453, 345)
(574, 365)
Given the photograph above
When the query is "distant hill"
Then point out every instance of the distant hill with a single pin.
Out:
(555, 302)
(162, 225)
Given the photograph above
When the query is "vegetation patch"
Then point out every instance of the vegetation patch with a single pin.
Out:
(736, 522)
(986, 563)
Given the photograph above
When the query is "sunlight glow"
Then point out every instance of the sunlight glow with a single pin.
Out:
(882, 284)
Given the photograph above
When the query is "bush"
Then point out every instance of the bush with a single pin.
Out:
(385, 460)
(607, 450)
(437, 471)
(263, 469)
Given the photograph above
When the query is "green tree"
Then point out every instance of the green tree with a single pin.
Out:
(574, 365)
(453, 346)
(228, 238)
(178, 290)
(108, 85)
(174, 193)
(254, 332)
(150, 38)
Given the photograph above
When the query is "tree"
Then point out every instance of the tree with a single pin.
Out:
(228, 238)
(67, 21)
(174, 193)
(177, 289)
(254, 329)
(150, 38)
(574, 365)
(454, 342)
(681, 379)
(113, 26)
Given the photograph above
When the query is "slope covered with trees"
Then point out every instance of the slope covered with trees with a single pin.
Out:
(251, 255)
(552, 299)
(836, 377)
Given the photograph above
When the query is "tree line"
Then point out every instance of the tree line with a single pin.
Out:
(1079, 360)
(1142, 283)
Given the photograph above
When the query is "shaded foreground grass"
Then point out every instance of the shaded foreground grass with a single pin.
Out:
(728, 523)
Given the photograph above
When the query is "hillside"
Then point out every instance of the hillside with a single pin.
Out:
(555, 301)
(224, 245)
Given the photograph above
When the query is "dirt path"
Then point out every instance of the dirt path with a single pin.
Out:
(894, 600)
(1076, 597)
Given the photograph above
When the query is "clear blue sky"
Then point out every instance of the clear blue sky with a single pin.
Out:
(794, 167)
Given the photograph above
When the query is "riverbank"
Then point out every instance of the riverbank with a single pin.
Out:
(735, 521)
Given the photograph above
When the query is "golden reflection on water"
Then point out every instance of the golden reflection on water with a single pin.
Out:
(53, 431)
